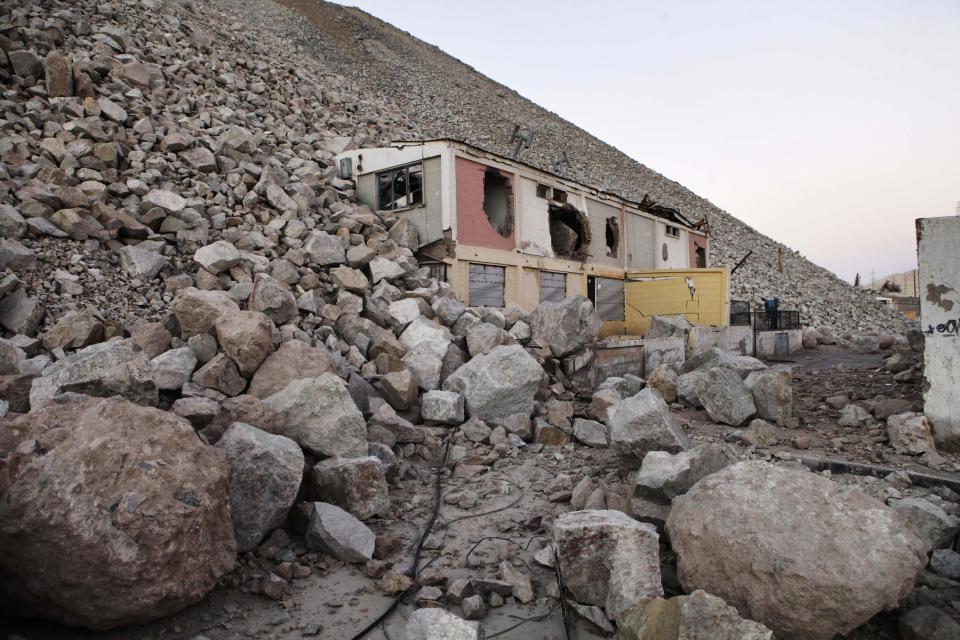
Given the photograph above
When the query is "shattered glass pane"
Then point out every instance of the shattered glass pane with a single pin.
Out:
(399, 188)
(415, 184)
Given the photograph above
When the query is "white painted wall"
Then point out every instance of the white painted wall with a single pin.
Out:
(678, 252)
(938, 247)
(534, 223)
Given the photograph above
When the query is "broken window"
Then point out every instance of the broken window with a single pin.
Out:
(569, 231)
(701, 257)
(498, 202)
(543, 191)
(559, 195)
(613, 237)
(673, 232)
(401, 187)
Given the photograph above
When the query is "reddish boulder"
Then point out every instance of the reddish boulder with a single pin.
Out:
(111, 514)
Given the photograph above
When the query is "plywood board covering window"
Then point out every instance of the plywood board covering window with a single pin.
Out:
(486, 285)
(553, 286)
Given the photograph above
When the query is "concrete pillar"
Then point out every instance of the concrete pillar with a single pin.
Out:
(938, 248)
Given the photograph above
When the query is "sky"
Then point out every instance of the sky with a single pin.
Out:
(828, 126)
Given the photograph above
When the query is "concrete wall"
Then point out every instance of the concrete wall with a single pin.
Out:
(766, 342)
(730, 338)
(598, 213)
(671, 252)
(938, 249)
(658, 351)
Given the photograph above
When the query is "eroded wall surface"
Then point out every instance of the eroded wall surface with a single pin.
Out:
(938, 249)
(473, 226)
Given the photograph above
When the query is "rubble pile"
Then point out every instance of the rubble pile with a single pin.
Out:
(219, 372)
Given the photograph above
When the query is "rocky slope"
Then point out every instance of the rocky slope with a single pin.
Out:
(447, 98)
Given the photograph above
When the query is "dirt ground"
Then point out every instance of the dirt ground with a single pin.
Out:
(503, 512)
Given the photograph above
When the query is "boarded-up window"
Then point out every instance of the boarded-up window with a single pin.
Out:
(486, 285)
(608, 298)
(553, 286)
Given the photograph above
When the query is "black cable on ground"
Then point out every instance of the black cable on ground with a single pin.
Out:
(412, 574)
(523, 621)
(563, 599)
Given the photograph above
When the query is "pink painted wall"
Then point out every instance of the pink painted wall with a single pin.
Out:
(696, 241)
(473, 228)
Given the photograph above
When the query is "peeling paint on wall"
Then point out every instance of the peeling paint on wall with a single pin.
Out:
(935, 293)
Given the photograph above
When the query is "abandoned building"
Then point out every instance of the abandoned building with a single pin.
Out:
(501, 231)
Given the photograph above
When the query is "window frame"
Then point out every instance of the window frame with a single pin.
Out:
(676, 231)
(406, 169)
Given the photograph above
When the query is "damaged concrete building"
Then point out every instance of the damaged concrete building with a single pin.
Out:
(501, 231)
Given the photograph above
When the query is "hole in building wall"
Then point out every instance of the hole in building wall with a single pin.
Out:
(498, 202)
(613, 237)
(569, 231)
(701, 257)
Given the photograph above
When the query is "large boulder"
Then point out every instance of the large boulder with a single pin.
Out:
(336, 532)
(698, 616)
(564, 327)
(197, 310)
(273, 298)
(726, 397)
(910, 434)
(642, 423)
(792, 549)
(772, 393)
(320, 416)
(247, 337)
(608, 559)
(114, 368)
(356, 485)
(265, 475)
(717, 357)
(294, 359)
(122, 519)
(497, 384)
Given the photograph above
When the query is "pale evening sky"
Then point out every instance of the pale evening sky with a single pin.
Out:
(829, 126)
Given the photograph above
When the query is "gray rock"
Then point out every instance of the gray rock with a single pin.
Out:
(642, 423)
(664, 380)
(910, 434)
(668, 327)
(168, 201)
(442, 407)
(928, 623)
(172, 369)
(293, 360)
(16, 256)
(717, 357)
(273, 298)
(698, 616)
(725, 397)
(608, 559)
(425, 364)
(336, 532)
(564, 327)
(591, 432)
(664, 476)
(689, 386)
(114, 368)
(432, 623)
(945, 562)
(736, 530)
(931, 523)
(141, 263)
(448, 310)
(20, 314)
(217, 256)
(854, 415)
(772, 394)
(320, 416)
(434, 336)
(497, 384)
(323, 249)
(357, 485)
(265, 475)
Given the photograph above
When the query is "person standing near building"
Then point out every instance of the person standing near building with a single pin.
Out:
(771, 306)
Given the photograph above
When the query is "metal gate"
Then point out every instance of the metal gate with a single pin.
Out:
(553, 286)
(486, 286)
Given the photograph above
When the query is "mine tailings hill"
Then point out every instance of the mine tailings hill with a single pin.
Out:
(447, 98)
